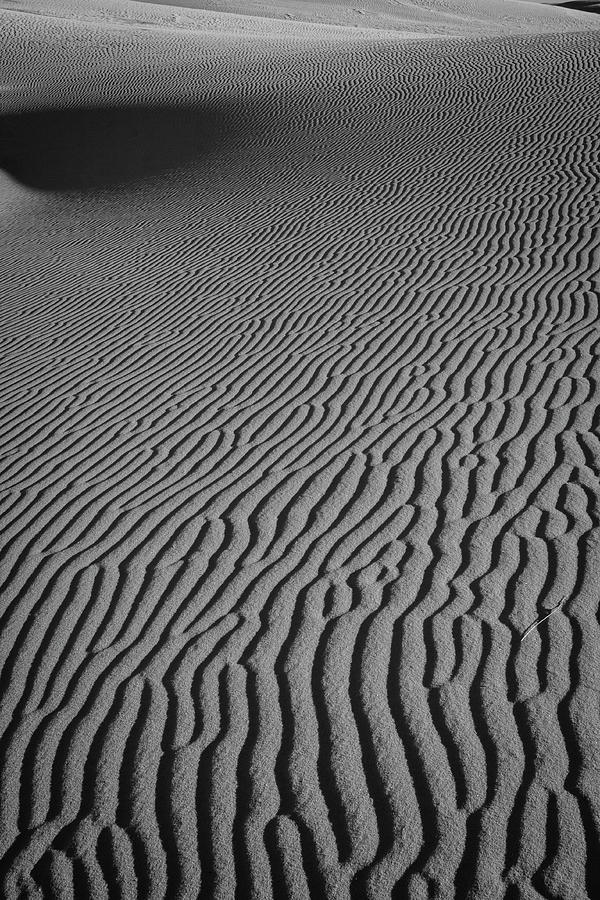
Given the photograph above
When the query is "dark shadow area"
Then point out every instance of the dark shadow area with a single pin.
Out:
(91, 148)
(590, 6)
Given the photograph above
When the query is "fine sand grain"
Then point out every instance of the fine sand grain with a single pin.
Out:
(300, 438)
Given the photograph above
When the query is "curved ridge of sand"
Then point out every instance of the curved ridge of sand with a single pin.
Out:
(296, 18)
(300, 433)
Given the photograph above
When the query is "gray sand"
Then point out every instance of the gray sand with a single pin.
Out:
(299, 435)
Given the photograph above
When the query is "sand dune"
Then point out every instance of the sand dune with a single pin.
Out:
(300, 434)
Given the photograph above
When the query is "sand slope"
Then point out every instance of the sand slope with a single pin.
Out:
(300, 433)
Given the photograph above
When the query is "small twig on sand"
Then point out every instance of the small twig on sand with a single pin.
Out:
(539, 620)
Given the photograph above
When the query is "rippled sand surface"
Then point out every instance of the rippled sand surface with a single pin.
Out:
(300, 434)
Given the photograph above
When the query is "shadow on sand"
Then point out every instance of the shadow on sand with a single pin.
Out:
(590, 6)
(91, 148)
